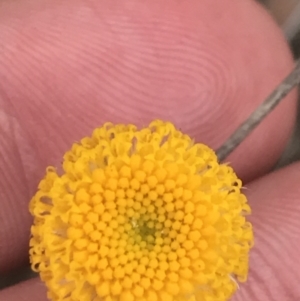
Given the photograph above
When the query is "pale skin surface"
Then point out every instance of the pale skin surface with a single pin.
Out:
(68, 66)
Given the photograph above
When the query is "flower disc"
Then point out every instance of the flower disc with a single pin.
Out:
(144, 215)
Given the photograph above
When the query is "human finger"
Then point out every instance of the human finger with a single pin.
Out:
(274, 265)
(67, 67)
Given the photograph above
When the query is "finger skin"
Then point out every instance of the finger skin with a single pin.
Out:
(66, 67)
(274, 264)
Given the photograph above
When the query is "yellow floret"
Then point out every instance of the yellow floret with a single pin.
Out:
(144, 215)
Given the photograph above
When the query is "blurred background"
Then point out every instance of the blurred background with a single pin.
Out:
(287, 15)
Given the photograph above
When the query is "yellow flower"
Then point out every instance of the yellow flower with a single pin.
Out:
(145, 215)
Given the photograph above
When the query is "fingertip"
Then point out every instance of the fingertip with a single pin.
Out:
(204, 65)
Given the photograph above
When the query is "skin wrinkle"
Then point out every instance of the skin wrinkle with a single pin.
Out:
(11, 112)
(24, 174)
(274, 254)
(253, 290)
(16, 144)
(9, 254)
(275, 278)
(49, 125)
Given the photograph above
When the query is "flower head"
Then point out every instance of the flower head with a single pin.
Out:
(144, 215)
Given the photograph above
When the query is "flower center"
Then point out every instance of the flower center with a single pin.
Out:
(140, 215)
(144, 229)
